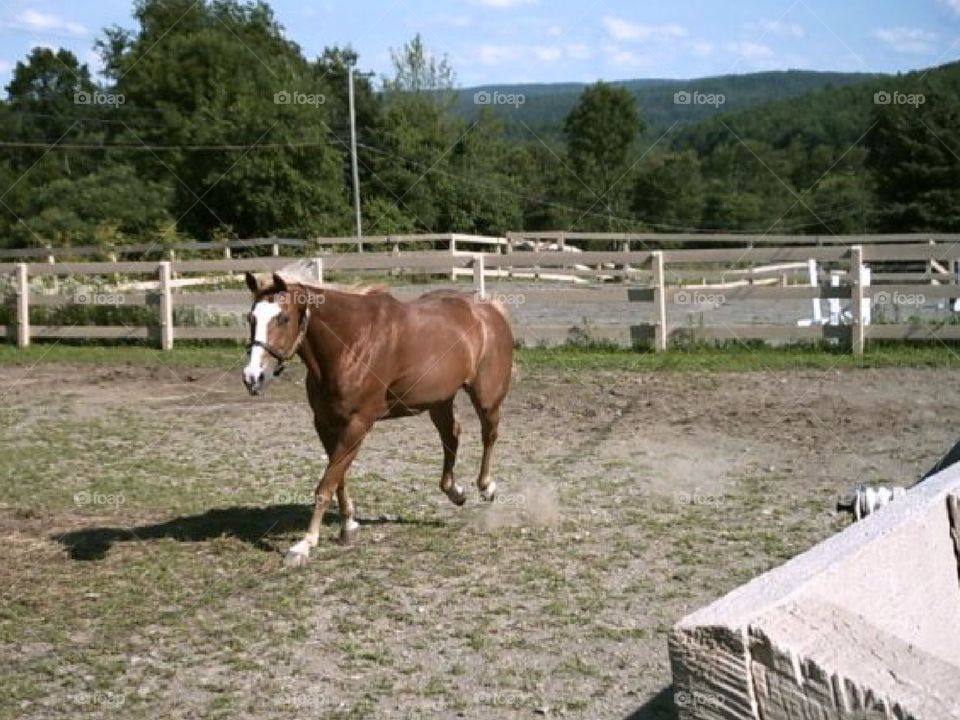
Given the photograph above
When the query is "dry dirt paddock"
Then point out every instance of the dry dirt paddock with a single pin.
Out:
(145, 510)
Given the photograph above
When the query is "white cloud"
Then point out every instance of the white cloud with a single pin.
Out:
(781, 28)
(627, 59)
(953, 5)
(750, 50)
(548, 54)
(906, 40)
(37, 21)
(556, 30)
(444, 20)
(578, 51)
(498, 54)
(624, 30)
(701, 48)
(518, 54)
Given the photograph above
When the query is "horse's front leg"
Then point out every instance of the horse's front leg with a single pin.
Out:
(345, 448)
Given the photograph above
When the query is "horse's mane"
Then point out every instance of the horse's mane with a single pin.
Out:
(302, 272)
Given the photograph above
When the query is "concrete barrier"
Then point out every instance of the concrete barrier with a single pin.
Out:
(864, 625)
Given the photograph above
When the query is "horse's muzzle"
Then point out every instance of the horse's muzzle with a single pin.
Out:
(254, 381)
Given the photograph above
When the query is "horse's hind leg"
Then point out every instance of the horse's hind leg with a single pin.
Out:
(446, 423)
(489, 413)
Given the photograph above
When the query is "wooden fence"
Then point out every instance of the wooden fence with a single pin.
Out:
(653, 280)
(454, 241)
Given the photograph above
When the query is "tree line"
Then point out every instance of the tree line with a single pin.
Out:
(209, 123)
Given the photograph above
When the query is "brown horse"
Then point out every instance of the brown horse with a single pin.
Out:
(371, 357)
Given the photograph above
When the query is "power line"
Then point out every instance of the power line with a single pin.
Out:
(162, 148)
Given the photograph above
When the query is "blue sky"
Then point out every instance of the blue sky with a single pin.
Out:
(508, 41)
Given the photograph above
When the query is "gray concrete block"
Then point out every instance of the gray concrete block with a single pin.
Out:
(863, 625)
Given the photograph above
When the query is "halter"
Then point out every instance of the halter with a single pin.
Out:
(280, 357)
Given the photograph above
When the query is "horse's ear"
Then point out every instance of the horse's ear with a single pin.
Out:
(252, 282)
(279, 284)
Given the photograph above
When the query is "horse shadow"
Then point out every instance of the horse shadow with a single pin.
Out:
(660, 707)
(260, 527)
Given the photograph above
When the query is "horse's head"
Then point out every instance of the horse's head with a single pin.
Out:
(278, 324)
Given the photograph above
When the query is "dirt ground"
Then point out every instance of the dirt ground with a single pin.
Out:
(145, 511)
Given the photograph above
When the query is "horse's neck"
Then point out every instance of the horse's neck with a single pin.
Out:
(323, 306)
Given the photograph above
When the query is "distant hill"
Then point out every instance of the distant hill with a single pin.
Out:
(832, 115)
(543, 107)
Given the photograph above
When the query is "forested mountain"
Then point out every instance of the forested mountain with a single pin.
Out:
(545, 106)
(192, 139)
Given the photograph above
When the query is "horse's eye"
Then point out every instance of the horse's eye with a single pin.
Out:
(250, 318)
(283, 318)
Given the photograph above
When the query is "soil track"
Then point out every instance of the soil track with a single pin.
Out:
(146, 510)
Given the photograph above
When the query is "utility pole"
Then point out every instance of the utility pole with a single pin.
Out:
(353, 157)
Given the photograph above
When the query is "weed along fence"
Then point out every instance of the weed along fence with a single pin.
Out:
(777, 293)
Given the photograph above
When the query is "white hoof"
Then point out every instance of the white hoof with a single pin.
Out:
(294, 559)
(489, 492)
(298, 554)
(457, 495)
(349, 530)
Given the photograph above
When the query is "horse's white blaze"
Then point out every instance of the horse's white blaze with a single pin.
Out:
(263, 313)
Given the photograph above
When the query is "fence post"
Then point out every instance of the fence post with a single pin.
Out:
(856, 299)
(318, 270)
(660, 303)
(23, 305)
(479, 280)
(275, 250)
(227, 255)
(453, 251)
(166, 307)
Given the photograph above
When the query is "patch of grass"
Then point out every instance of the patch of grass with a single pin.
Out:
(700, 358)
(735, 358)
(210, 355)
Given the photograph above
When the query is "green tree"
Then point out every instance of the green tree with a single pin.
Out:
(244, 111)
(668, 193)
(914, 158)
(601, 132)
